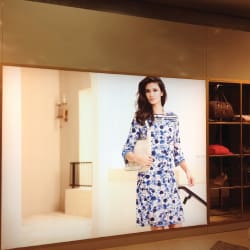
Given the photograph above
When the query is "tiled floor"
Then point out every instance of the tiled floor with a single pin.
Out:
(204, 242)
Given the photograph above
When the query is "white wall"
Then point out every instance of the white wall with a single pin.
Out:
(11, 157)
(40, 141)
(86, 125)
(71, 84)
(87, 136)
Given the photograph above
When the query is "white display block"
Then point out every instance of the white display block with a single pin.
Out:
(78, 201)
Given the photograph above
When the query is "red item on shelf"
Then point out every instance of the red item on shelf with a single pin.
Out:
(217, 149)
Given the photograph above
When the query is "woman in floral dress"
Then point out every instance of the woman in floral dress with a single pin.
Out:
(158, 202)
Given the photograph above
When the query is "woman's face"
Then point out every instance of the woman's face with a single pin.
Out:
(153, 93)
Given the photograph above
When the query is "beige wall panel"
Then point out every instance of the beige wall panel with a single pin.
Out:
(228, 54)
(49, 35)
(40, 147)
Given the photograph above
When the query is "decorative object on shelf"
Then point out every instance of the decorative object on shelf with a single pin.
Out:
(62, 111)
(246, 150)
(81, 174)
(220, 108)
(220, 180)
(217, 149)
(244, 118)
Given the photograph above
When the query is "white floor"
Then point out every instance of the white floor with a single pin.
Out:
(54, 227)
(115, 218)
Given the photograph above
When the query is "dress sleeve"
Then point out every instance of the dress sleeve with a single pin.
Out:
(178, 154)
(133, 136)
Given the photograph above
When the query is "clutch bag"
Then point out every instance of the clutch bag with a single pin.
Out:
(142, 147)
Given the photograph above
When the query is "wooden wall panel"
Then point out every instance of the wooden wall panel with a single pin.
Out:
(228, 54)
(56, 36)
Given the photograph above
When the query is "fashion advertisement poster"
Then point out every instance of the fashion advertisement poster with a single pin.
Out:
(68, 141)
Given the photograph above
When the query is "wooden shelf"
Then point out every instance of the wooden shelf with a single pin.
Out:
(225, 187)
(218, 156)
(229, 202)
(224, 123)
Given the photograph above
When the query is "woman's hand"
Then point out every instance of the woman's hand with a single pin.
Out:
(146, 162)
(142, 160)
(190, 179)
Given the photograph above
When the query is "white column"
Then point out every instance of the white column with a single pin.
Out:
(11, 157)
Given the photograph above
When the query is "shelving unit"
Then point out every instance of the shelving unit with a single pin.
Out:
(229, 174)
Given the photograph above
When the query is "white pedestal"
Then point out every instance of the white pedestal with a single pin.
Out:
(78, 201)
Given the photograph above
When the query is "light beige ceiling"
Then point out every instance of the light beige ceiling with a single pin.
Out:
(233, 14)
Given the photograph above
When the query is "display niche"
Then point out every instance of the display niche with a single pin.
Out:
(229, 153)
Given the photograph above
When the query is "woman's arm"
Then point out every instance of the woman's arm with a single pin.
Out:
(185, 168)
(179, 157)
(133, 136)
(128, 149)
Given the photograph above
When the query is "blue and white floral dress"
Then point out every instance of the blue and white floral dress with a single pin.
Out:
(158, 202)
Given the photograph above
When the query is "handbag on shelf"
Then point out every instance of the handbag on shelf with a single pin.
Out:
(142, 147)
(220, 108)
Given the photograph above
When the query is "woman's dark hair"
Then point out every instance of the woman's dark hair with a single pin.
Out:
(144, 108)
